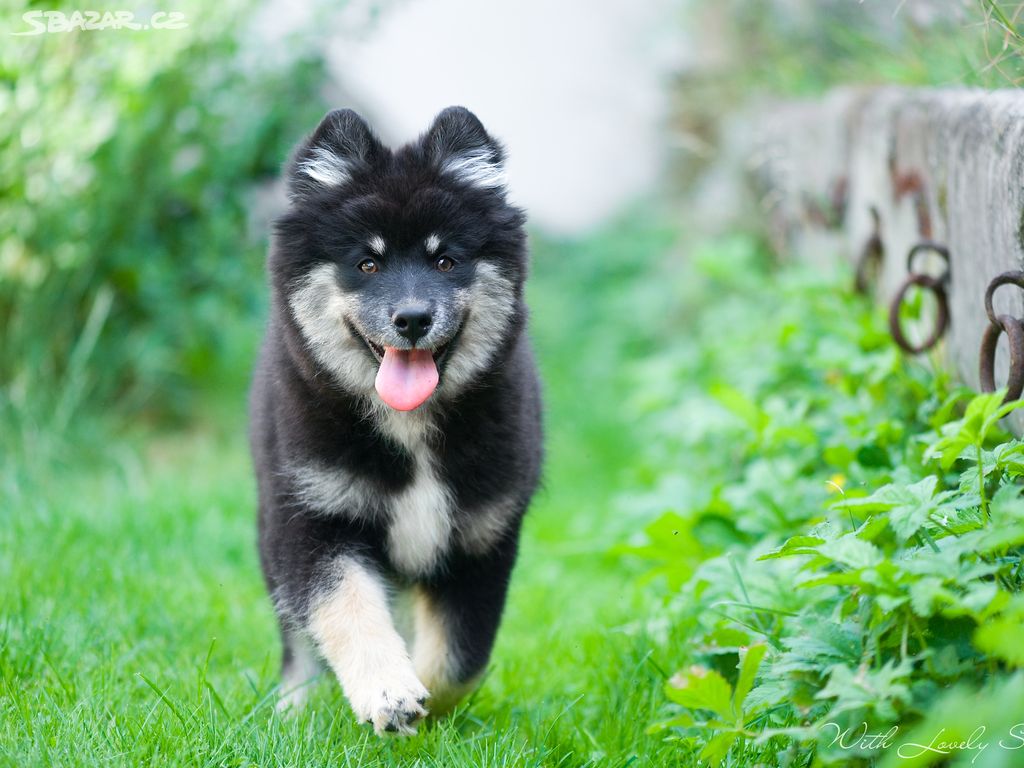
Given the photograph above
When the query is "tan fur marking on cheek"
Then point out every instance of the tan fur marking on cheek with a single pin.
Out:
(491, 304)
(321, 309)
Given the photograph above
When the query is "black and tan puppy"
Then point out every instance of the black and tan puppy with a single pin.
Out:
(395, 413)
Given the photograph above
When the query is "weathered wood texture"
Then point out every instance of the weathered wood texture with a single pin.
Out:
(945, 165)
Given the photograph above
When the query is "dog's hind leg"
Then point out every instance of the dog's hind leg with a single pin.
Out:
(456, 621)
(352, 625)
(299, 665)
(434, 655)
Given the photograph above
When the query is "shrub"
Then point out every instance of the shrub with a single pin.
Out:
(841, 530)
(128, 164)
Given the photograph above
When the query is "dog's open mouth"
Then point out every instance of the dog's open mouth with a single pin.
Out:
(406, 377)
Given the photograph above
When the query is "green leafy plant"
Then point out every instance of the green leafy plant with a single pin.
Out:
(702, 689)
(848, 513)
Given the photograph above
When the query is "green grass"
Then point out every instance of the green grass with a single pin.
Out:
(135, 630)
(757, 519)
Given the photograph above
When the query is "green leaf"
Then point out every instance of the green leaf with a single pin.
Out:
(701, 688)
(909, 506)
(1000, 413)
(956, 714)
(824, 643)
(682, 720)
(951, 449)
(742, 406)
(725, 639)
(1007, 504)
(983, 412)
(1009, 457)
(718, 747)
(852, 552)
(926, 595)
(980, 602)
(1001, 636)
(748, 671)
(908, 517)
(878, 690)
(797, 545)
(844, 579)
(948, 406)
(671, 547)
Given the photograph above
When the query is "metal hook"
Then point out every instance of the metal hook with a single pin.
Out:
(1006, 278)
(930, 245)
(1014, 330)
(937, 285)
(871, 255)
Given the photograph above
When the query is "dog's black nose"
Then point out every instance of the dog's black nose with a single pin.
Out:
(412, 321)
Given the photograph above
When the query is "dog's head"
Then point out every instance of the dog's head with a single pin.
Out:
(400, 272)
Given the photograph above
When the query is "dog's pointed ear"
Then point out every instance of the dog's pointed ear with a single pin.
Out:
(341, 147)
(457, 144)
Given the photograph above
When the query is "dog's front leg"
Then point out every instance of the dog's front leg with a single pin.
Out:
(351, 623)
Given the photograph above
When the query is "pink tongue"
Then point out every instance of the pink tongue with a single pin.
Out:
(406, 377)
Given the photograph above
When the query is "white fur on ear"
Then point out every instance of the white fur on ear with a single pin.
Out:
(325, 167)
(341, 148)
(476, 166)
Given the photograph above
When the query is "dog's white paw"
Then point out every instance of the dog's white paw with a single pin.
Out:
(391, 705)
(292, 702)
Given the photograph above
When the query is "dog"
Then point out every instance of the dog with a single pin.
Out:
(395, 414)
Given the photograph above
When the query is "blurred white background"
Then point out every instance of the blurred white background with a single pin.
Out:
(576, 89)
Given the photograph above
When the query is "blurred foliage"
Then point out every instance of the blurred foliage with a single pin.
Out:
(840, 531)
(806, 46)
(127, 167)
(744, 51)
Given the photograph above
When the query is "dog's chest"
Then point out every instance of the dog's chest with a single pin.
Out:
(420, 516)
(419, 527)
(417, 520)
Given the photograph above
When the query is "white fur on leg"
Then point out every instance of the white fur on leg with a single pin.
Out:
(433, 657)
(302, 667)
(353, 627)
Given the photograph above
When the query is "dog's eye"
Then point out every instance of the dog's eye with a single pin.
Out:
(369, 266)
(444, 264)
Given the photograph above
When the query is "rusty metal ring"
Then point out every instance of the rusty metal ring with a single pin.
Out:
(987, 357)
(929, 245)
(937, 288)
(872, 254)
(1007, 278)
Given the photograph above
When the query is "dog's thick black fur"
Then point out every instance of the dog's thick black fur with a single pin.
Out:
(390, 268)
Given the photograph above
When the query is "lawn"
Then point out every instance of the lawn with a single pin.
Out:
(135, 630)
(760, 526)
